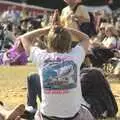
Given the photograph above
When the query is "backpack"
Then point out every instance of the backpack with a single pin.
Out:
(97, 93)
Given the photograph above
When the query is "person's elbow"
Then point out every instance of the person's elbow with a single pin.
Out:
(85, 43)
(26, 44)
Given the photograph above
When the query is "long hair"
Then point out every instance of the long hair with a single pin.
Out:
(59, 40)
(112, 29)
(97, 93)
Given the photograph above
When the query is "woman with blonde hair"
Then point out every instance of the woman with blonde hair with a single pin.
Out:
(111, 40)
(104, 51)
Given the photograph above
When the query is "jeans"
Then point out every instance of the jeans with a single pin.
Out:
(34, 89)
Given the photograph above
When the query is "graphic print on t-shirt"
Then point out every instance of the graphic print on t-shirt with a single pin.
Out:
(59, 75)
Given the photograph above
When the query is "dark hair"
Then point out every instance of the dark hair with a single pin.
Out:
(97, 93)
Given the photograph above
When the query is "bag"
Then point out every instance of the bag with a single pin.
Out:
(13, 57)
(97, 93)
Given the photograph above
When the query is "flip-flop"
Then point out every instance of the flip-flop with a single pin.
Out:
(18, 111)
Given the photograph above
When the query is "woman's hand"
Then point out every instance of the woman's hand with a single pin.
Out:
(56, 18)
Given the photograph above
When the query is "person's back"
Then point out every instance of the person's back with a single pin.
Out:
(59, 75)
(59, 68)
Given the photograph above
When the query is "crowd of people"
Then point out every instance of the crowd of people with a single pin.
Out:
(67, 47)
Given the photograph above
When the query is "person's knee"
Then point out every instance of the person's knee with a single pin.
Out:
(32, 77)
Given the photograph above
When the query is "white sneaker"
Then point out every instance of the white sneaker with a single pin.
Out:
(30, 109)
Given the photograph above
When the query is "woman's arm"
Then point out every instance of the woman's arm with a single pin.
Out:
(28, 38)
(82, 37)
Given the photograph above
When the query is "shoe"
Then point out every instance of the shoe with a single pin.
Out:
(18, 111)
(30, 109)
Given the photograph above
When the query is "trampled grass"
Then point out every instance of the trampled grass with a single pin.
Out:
(13, 86)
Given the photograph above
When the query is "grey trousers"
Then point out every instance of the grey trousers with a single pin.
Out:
(83, 114)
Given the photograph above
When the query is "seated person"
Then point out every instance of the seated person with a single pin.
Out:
(103, 51)
(54, 63)
(111, 40)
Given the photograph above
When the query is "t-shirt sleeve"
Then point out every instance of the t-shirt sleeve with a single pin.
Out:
(79, 53)
(37, 55)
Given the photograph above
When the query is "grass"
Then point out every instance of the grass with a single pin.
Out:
(13, 85)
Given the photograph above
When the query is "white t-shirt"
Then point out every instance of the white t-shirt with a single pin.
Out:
(60, 81)
(107, 42)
